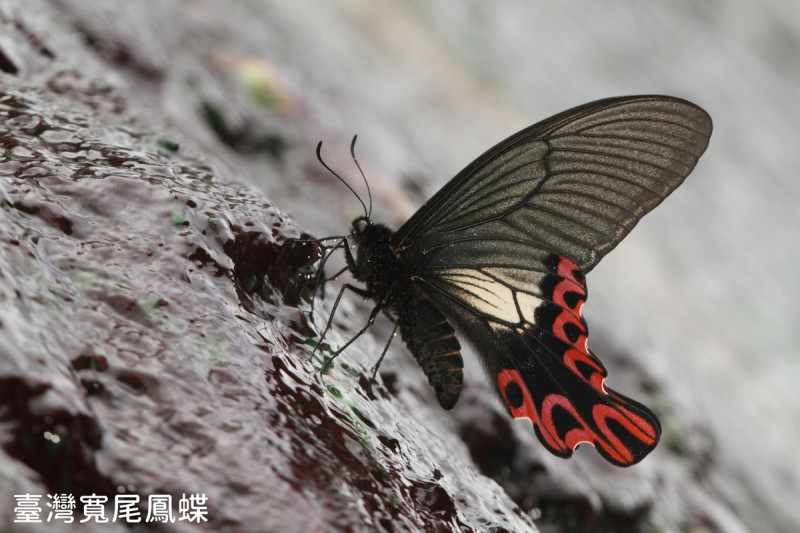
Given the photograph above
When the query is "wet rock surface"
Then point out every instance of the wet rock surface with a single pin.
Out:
(155, 341)
(155, 336)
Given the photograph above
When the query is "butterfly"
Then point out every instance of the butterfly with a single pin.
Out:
(501, 253)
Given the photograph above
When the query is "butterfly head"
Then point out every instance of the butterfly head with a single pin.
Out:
(367, 234)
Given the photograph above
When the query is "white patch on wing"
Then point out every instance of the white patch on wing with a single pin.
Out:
(528, 304)
(483, 294)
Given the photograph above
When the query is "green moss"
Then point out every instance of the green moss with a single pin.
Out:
(178, 220)
(166, 145)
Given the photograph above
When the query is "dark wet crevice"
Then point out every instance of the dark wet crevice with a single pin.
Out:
(57, 444)
(263, 267)
(6, 64)
(243, 135)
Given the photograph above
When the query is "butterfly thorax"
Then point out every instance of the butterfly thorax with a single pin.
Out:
(376, 262)
(426, 332)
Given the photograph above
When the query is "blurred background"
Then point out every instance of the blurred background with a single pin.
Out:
(702, 297)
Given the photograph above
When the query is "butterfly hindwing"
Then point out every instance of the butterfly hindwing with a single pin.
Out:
(522, 310)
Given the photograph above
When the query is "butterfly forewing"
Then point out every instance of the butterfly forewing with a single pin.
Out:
(576, 183)
(502, 250)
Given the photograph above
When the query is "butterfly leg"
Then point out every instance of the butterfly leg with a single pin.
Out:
(321, 271)
(361, 292)
(322, 283)
(383, 354)
(370, 321)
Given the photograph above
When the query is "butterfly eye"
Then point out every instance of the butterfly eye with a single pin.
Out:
(360, 225)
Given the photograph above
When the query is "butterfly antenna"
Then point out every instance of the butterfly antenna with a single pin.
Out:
(329, 169)
(353, 155)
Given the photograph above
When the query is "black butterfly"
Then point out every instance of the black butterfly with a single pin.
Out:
(501, 252)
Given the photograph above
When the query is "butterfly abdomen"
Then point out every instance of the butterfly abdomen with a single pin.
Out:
(432, 342)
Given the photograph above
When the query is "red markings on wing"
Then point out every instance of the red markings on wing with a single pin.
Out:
(634, 424)
(595, 431)
(572, 281)
(526, 409)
